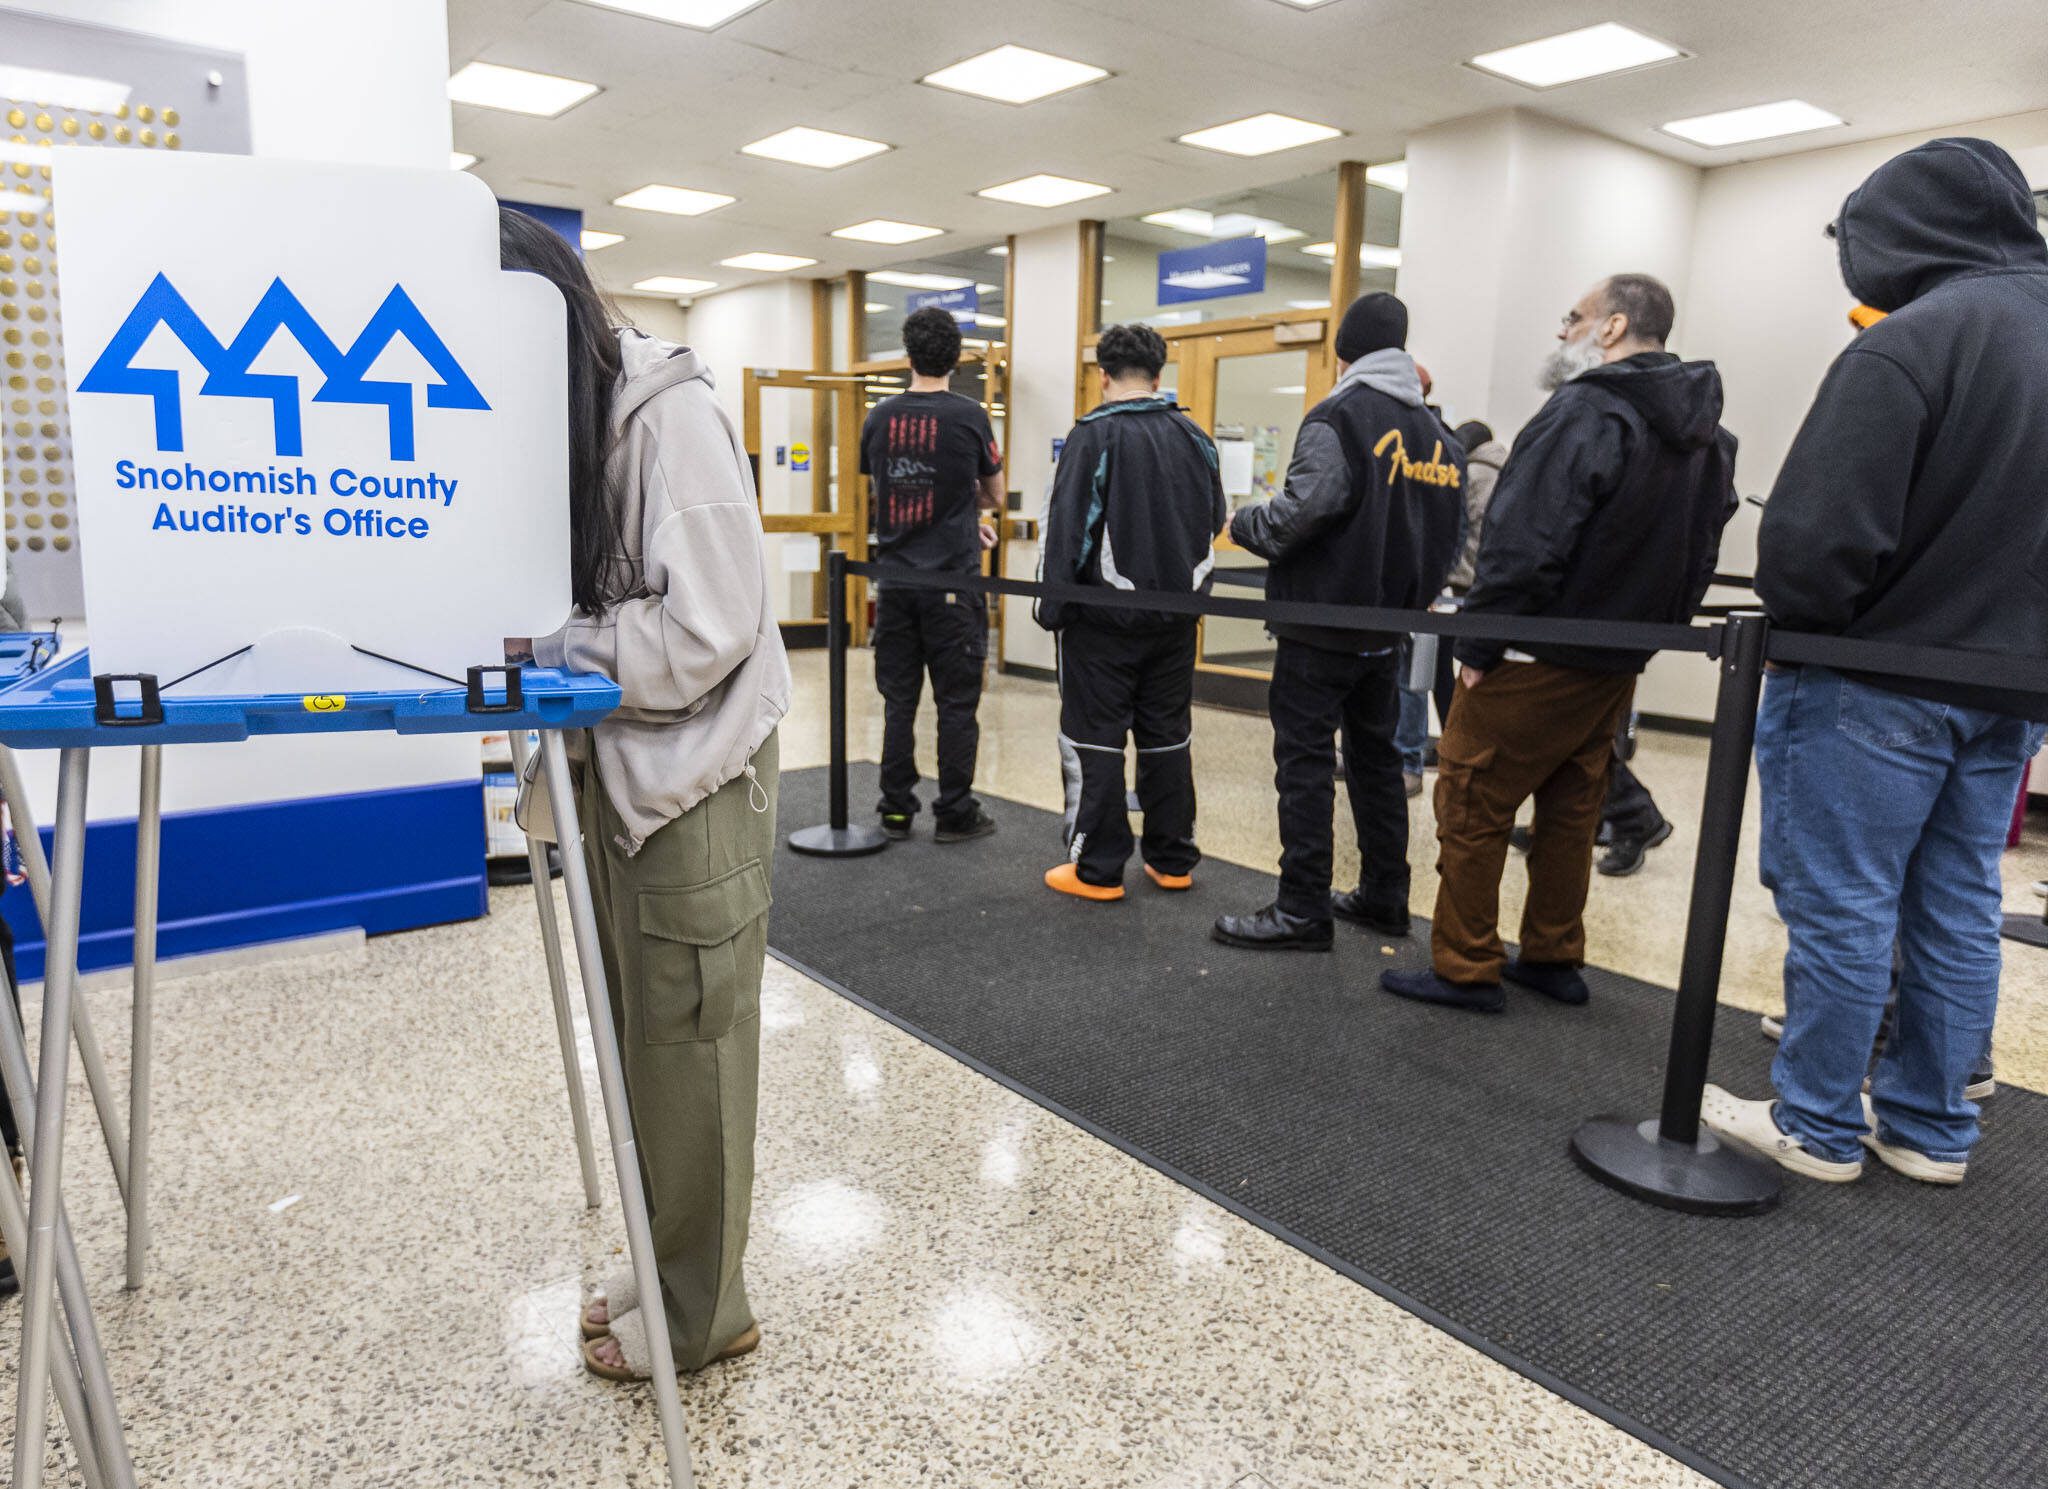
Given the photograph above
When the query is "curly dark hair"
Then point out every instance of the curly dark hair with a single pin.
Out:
(932, 338)
(1129, 348)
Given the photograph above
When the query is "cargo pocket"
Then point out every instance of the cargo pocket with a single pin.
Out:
(700, 955)
(1456, 764)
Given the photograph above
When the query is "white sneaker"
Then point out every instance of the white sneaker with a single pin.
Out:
(1749, 1124)
(1905, 1160)
(2041, 888)
(1773, 1026)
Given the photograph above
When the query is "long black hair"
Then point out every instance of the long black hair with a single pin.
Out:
(595, 536)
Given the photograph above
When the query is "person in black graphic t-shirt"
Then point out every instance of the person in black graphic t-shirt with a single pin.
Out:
(934, 469)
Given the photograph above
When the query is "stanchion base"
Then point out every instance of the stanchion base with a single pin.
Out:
(1704, 1178)
(2031, 929)
(826, 841)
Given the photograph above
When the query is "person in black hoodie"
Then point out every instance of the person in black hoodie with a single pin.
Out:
(1611, 507)
(1910, 510)
(1137, 501)
(1369, 516)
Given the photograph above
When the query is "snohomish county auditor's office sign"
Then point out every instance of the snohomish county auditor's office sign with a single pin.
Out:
(310, 417)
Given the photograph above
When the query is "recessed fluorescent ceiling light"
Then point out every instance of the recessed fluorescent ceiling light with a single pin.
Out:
(674, 284)
(882, 230)
(1223, 225)
(814, 147)
(64, 90)
(1301, 5)
(1393, 175)
(677, 201)
(1013, 74)
(1370, 255)
(1567, 58)
(701, 14)
(1001, 250)
(460, 160)
(593, 239)
(904, 279)
(876, 307)
(1763, 121)
(1261, 134)
(490, 86)
(1293, 389)
(1043, 191)
(773, 263)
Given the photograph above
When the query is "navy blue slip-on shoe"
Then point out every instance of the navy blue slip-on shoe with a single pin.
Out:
(1559, 980)
(1427, 987)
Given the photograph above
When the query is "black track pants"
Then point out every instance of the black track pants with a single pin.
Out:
(1141, 684)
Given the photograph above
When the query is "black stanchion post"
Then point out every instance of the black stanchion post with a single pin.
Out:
(1671, 1162)
(835, 838)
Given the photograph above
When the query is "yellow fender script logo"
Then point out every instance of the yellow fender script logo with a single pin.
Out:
(1435, 471)
(324, 702)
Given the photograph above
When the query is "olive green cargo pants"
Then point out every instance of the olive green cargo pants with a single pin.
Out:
(684, 925)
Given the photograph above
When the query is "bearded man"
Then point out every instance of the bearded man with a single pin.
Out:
(1610, 508)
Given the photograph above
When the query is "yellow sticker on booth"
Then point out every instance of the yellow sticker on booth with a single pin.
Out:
(324, 702)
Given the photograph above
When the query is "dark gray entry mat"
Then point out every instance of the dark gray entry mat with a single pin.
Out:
(1883, 1334)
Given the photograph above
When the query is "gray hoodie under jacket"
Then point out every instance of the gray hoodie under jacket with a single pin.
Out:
(694, 647)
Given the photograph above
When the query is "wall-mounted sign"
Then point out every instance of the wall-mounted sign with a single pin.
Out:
(965, 303)
(303, 439)
(799, 456)
(1212, 271)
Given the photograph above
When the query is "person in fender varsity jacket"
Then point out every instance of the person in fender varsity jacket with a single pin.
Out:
(1611, 507)
(1909, 510)
(1370, 515)
(1137, 502)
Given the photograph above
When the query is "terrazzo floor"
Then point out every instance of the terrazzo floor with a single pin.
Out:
(370, 1239)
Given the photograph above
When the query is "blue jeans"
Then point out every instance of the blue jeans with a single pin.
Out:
(1411, 731)
(1883, 820)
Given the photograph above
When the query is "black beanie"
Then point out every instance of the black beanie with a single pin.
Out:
(1374, 323)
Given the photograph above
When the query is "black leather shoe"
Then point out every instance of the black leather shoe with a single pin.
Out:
(1625, 855)
(1388, 920)
(1273, 929)
(976, 824)
(1519, 839)
(1427, 987)
(1559, 980)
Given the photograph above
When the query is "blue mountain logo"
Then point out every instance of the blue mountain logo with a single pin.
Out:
(229, 374)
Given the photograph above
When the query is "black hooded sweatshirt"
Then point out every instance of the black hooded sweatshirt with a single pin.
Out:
(1913, 506)
(1610, 507)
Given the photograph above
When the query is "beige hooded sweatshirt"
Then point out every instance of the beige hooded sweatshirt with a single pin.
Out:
(694, 647)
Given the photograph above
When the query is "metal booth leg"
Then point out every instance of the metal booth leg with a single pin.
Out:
(63, 1372)
(148, 862)
(95, 1420)
(558, 990)
(611, 1080)
(90, 1059)
(47, 1232)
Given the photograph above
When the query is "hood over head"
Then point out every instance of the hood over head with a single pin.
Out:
(647, 364)
(1947, 207)
(1680, 401)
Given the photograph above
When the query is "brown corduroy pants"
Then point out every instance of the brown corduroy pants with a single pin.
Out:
(1529, 729)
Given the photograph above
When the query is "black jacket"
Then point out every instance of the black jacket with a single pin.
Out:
(1372, 508)
(1913, 506)
(1610, 507)
(1137, 501)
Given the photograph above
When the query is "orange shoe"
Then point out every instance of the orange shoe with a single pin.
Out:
(1067, 880)
(1169, 881)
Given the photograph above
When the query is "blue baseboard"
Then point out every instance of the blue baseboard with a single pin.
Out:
(273, 871)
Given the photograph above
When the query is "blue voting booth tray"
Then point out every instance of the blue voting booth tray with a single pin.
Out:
(64, 706)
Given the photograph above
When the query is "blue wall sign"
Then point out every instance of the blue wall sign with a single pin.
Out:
(1212, 271)
(964, 303)
(568, 221)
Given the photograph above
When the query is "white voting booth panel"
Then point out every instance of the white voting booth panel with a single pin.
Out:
(322, 474)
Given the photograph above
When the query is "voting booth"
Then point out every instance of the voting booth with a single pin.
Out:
(322, 475)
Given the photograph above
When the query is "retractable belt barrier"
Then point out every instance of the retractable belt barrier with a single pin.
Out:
(1669, 1160)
